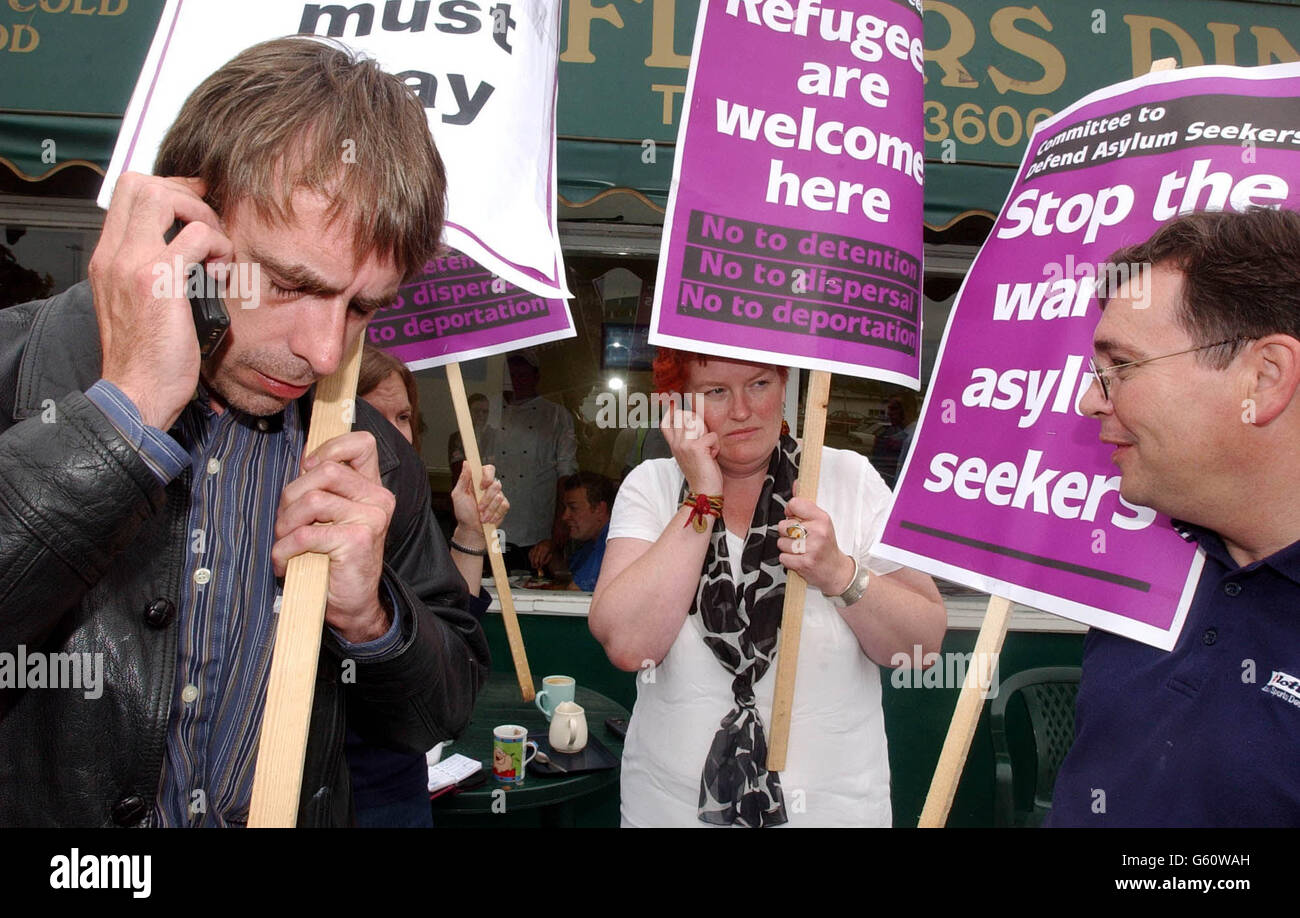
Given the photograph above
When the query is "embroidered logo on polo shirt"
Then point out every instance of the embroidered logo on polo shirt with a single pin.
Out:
(1284, 686)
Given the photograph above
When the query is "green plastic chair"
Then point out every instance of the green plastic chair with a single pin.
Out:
(1049, 694)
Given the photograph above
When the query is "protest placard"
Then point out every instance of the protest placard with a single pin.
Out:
(486, 76)
(793, 233)
(1007, 488)
(459, 310)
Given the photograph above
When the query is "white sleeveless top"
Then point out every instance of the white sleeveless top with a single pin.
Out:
(837, 767)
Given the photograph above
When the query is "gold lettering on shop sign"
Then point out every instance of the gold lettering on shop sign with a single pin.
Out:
(1272, 46)
(670, 92)
(1140, 31)
(17, 45)
(1039, 50)
(582, 13)
(1225, 45)
(961, 40)
(23, 38)
(663, 23)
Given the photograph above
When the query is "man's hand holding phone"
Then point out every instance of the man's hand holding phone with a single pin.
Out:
(149, 343)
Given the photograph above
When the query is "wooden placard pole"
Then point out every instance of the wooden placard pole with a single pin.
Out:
(467, 436)
(787, 663)
(282, 746)
(966, 716)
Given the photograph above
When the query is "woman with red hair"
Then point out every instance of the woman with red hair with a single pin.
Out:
(691, 592)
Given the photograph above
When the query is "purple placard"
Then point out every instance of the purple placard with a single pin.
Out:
(794, 225)
(459, 310)
(1051, 530)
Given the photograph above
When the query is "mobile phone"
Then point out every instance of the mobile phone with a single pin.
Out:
(617, 726)
(211, 321)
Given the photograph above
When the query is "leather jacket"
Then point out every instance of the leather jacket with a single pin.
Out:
(92, 549)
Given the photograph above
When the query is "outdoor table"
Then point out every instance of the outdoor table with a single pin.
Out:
(555, 797)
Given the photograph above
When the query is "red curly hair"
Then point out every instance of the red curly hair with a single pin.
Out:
(671, 367)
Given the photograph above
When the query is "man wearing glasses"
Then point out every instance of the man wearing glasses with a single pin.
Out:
(1197, 392)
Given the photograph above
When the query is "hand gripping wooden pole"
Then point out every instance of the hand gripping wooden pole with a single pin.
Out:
(495, 550)
(787, 661)
(966, 716)
(282, 746)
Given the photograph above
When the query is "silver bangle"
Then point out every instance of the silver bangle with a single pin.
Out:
(853, 592)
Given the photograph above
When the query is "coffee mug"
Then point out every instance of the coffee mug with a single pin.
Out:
(509, 755)
(555, 689)
(568, 728)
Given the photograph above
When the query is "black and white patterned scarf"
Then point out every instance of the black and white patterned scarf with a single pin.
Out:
(742, 622)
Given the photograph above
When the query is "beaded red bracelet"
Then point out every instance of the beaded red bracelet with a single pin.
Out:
(702, 506)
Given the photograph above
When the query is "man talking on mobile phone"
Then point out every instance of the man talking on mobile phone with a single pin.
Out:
(150, 499)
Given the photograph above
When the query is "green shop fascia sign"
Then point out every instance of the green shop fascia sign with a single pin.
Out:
(67, 68)
(993, 70)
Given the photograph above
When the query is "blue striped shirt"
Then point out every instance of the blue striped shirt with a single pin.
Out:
(239, 465)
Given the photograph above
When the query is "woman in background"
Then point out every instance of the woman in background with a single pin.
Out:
(387, 384)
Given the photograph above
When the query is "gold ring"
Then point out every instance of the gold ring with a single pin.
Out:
(796, 532)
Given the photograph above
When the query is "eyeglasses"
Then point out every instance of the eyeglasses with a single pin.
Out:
(1102, 374)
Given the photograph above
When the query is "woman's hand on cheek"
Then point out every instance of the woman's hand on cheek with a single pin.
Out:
(695, 448)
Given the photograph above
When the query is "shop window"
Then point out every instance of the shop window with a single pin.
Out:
(38, 262)
(602, 377)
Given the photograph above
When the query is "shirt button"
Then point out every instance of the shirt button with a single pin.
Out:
(214, 466)
(1210, 636)
(1232, 589)
(261, 424)
(202, 576)
(190, 694)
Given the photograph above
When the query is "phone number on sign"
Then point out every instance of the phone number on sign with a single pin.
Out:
(968, 123)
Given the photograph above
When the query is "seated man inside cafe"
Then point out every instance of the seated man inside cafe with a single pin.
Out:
(588, 498)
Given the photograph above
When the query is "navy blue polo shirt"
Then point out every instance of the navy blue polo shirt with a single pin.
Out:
(1207, 734)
